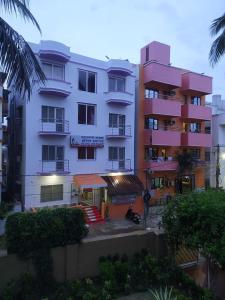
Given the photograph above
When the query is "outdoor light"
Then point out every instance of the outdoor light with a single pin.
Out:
(116, 181)
(223, 155)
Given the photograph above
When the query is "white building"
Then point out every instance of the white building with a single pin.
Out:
(218, 148)
(81, 122)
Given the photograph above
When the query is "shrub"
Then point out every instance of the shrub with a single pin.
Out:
(27, 232)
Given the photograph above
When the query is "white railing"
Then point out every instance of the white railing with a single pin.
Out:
(54, 166)
(119, 165)
(121, 131)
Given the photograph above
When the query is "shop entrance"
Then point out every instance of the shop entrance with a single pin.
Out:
(92, 196)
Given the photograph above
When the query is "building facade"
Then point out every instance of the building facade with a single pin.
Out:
(216, 168)
(76, 128)
(171, 121)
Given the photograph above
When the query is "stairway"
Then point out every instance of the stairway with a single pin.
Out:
(92, 215)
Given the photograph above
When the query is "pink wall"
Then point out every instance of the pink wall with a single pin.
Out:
(162, 137)
(192, 111)
(162, 107)
(170, 76)
(196, 139)
(161, 166)
(196, 82)
(157, 51)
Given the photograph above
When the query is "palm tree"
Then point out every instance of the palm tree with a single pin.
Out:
(218, 46)
(16, 57)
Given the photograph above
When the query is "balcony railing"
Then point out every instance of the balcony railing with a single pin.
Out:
(119, 132)
(54, 127)
(196, 139)
(164, 136)
(54, 167)
(119, 165)
(119, 98)
(161, 164)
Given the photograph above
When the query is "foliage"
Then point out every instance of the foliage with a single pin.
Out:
(16, 57)
(185, 161)
(4, 209)
(118, 276)
(163, 294)
(27, 232)
(197, 221)
(218, 46)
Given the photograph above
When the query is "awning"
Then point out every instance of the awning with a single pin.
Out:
(123, 185)
(89, 181)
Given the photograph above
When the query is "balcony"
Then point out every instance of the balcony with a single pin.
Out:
(197, 112)
(162, 137)
(120, 98)
(160, 164)
(119, 67)
(55, 87)
(121, 132)
(159, 75)
(54, 51)
(57, 167)
(153, 106)
(123, 165)
(196, 84)
(193, 139)
(54, 127)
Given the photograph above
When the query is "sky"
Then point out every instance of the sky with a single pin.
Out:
(119, 28)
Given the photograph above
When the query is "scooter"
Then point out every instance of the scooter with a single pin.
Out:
(133, 216)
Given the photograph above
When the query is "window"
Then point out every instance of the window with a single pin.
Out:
(195, 127)
(147, 53)
(150, 93)
(207, 155)
(52, 152)
(54, 71)
(195, 153)
(116, 120)
(158, 182)
(151, 123)
(51, 192)
(87, 81)
(116, 153)
(86, 153)
(116, 84)
(151, 153)
(51, 114)
(86, 114)
(196, 100)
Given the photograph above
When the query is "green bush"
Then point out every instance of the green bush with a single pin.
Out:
(27, 232)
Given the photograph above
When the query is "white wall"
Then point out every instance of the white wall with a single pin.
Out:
(33, 141)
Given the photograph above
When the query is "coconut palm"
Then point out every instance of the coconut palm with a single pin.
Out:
(218, 46)
(163, 294)
(16, 57)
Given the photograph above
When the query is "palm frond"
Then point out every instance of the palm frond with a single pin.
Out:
(217, 49)
(18, 61)
(217, 25)
(20, 7)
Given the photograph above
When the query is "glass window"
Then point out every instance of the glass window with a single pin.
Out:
(116, 84)
(50, 114)
(151, 93)
(51, 192)
(157, 182)
(87, 81)
(195, 127)
(113, 120)
(86, 153)
(196, 100)
(151, 123)
(90, 114)
(86, 114)
(151, 153)
(195, 153)
(52, 152)
(113, 153)
(207, 155)
(82, 80)
(91, 82)
(147, 54)
(53, 71)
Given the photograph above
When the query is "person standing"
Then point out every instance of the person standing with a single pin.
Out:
(146, 199)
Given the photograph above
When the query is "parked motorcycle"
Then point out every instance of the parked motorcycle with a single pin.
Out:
(133, 216)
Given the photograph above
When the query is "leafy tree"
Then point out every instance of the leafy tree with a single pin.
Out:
(16, 57)
(196, 220)
(218, 46)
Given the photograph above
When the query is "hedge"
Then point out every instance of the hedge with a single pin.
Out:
(46, 228)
